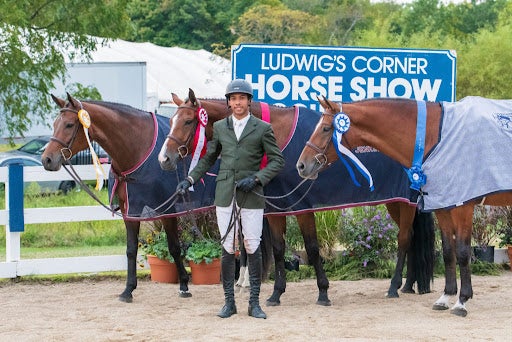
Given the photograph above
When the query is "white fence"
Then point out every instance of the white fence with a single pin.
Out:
(14, 266)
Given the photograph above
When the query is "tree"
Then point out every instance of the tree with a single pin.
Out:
(193, 24)
(36, 38)
(272, 24)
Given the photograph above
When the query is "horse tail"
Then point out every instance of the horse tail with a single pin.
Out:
(424, 249)
(266, 248)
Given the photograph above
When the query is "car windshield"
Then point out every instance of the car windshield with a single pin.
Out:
(35, 146)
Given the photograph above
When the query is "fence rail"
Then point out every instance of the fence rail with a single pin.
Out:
(13, 266)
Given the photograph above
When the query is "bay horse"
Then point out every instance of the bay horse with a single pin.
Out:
(180, 142)
(391, 126)
(129, 136)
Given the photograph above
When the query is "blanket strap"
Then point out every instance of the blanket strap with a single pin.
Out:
(415, 173)
(265, 116)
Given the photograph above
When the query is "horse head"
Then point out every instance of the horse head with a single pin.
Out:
(319, 151)
(67, 138)
(181, 135)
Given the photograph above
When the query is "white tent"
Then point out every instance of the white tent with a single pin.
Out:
(172, 69)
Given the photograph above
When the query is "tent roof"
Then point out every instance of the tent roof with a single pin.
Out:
(172, 69)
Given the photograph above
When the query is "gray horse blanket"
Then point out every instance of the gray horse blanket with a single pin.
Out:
(148, 187)
(473, 157)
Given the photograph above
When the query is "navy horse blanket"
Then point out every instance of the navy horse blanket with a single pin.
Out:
(148, 187)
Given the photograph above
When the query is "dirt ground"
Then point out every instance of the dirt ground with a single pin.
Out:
(90, 311)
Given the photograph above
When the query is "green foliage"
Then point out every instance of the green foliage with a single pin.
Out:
(155, 243)
(327, 231)
(369, 235)
(36, 38)
(347, 267)
(487, 224)
(83, 92)
(204, 250)
(273, 25)
(486, 268)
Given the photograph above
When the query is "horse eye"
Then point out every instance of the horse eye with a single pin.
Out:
(327, 128)
(70, 125)
(189, 122)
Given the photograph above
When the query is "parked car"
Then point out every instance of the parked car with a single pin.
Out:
(30, 155)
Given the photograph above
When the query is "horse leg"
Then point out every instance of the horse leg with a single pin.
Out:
(132, 245)
(308, 229)
(404, 219)
(450, 261)
(173, 243)
(463, 218)
(278, 229)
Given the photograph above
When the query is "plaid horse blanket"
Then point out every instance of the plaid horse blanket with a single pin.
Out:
(147, 186)
(473, 157)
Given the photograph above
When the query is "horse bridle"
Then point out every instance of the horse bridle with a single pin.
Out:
(67, 146)
(321, 156)
(183, 146)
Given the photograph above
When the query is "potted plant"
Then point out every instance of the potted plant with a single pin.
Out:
(204, 260)
(161, 263)
(486, 223)
(505, 232)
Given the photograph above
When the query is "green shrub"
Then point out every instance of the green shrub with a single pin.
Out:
(368, 234)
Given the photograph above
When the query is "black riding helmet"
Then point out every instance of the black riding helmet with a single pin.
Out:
(238, 86)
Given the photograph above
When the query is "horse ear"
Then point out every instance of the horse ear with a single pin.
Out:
(176, 99)
(322, 101)
(192, 97)
(60, 102)
(72, 100)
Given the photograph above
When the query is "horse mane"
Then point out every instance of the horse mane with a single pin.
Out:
(118, 107)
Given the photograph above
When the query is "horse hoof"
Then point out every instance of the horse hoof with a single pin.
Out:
(407, 291)
(439, 306)
(461, 312)
(185, 294)
(126, 299)
(324, 302)
(392, 295)
(273, 303)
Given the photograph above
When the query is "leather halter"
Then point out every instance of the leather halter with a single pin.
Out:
(320, 157)
(66, 151)
(183, 145)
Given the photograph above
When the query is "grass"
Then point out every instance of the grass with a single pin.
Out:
(64, 252)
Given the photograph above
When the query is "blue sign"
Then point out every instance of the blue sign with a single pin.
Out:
(297, 74)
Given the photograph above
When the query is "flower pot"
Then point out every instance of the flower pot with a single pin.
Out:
(162, 271)
(205, 274)
(484, 253)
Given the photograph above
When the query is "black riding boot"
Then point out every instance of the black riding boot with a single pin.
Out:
(228, 283)
(255, 281)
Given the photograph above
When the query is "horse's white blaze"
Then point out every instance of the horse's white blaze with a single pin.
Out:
(162, 156)
(443, 301)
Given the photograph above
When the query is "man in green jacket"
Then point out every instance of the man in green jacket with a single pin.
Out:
(241, 140)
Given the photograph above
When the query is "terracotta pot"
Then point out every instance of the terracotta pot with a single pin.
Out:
(205, 274)
(162, 271)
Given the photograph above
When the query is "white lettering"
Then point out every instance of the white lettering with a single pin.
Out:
(284, 86)
(300, 85)
(390, 65)
(398, 87)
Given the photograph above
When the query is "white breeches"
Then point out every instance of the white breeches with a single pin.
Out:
(252, 226)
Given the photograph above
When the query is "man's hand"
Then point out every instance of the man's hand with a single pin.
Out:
(247, 184)
(183, 186)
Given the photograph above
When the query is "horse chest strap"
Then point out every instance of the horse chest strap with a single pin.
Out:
(415, 173)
